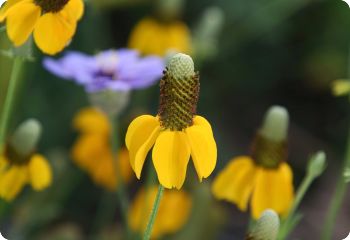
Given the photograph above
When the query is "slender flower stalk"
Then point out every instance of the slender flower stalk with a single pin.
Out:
(338, 197)
(154, 212)
(10, 96)
(316, 167)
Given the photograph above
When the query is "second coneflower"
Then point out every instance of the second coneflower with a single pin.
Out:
(176, 132)
(264, 177)
(53, 22)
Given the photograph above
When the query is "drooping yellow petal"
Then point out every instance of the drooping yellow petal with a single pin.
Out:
(53, 32)
(151, 36)
(170, 155)
(201, 121)
(273, 190)
(124, 165)
(104, 171)
(203, 149)
(6, 6)
(12, 181)
(88, 149)
(176, 204)
(140, 137)
(236, 181)
(143, 123)
(40, 173)
(91, 120)
(20, 21)
(74, 9)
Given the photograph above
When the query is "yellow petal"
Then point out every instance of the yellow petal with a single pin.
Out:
(88, 149)
(273, 190)
(144, 123)
(170, 156)
(91, 120)
(201, 121)
(12, 181)
(171, 203)
(40, 173)
(53, 32)
(203, 149)
(124, 164)
(341, 87)
(74, 9)
(21, 20)
(104, 172)
(236, 181)
(6, 6)
(140, 137)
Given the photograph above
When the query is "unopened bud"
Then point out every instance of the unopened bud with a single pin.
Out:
(276, 122)
(266, 228)
(181, 66)
(26, 137)
(317, 164)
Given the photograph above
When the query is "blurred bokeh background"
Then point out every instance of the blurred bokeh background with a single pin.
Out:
(265, 53)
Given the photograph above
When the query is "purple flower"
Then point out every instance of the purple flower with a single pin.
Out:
(116, 70)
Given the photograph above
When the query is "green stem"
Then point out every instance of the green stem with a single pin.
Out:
(152, 218)
(338, 197)
(287, 226)
(9, 100)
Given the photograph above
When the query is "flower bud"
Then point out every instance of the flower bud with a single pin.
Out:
(317, 164)
(266, 228)
(26, 137)
(275, 124)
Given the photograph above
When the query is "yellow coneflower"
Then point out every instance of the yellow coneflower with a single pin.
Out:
(20, 166)
(264, 177)
(53, 22)
(93, 152)
(176, 204)
(151, 36)
(176, 132)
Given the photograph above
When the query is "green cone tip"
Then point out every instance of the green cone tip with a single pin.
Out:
(317, 164)
(267, 226)
(275, 126)
(181, 66)
(26, 137)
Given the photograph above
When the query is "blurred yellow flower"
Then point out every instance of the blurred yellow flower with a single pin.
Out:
(93, 153)
(16, 173)
(150, 36)
(268, 188)
(264, 179)
(173, 212)
(53, 22)
(176, 132)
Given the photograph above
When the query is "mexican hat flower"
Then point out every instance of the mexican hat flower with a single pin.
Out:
(93, 151)
(151, 36)
(52, 22)
(264, 178)
(176, 132)
(20, 165)
(171, 202)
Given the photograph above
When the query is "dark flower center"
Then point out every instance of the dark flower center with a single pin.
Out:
(14, 157)
(267, 153)
(51, 5)
(178, 101)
